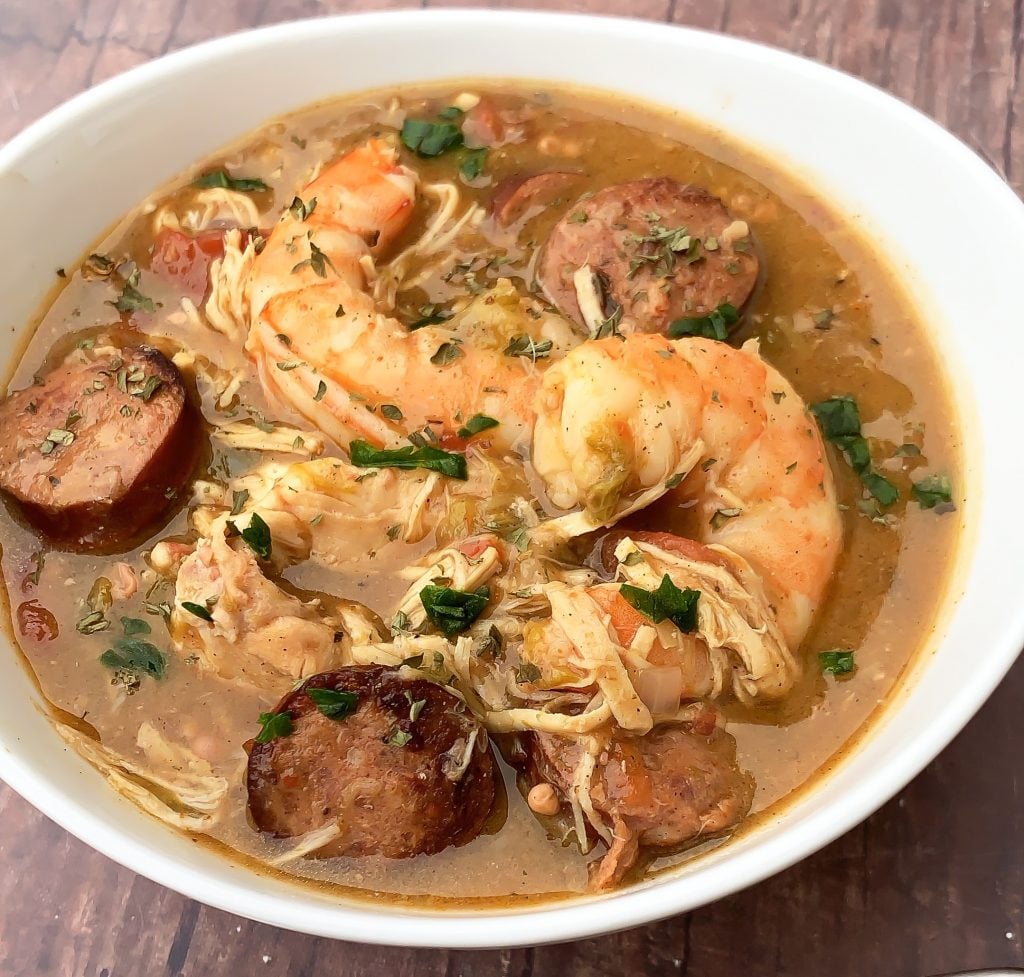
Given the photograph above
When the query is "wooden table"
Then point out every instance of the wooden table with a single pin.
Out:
(933, 882)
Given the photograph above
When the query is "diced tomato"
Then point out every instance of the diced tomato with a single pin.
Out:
(184, 260)
(35, 622)
(482, 125)
(472, 548)
(626, 620)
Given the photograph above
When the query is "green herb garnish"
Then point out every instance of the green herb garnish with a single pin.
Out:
(668, 601)
(430, 315)
(933, 491)
(92, 622)
(135, 655)
(131, 299)
(453, 610)
(334, 703)
(257, 536)
(837, 662)
(198, 609)
(274, 725)
(839, 420)
(430, 138)
(299, 210)
(222, 180)
(524, 345)
(318, 261)
(399, 738)
(473, 164)
(476, 424)
(135, 625)
(714, 325)
(450, 463)
(446, 354)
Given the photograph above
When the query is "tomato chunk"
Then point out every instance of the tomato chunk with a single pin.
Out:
(35, 622)
(184, 260)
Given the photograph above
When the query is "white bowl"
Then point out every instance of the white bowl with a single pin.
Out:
(953, 230)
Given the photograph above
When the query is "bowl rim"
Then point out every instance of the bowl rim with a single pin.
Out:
(577, 917)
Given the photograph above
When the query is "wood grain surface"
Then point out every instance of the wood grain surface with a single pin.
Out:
(934, 882)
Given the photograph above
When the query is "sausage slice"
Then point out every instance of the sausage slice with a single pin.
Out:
(408, 772)
(99, 447)
(661, 250)
(517, 195)
(671, 787)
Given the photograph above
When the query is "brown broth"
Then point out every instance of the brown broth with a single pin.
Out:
(890, 578)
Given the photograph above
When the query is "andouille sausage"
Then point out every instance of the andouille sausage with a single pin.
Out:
(663, 251)
(99, 447)
(518, 195)
(664, 790)
(408, 772)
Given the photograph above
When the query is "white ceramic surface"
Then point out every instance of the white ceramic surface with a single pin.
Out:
(918, 191)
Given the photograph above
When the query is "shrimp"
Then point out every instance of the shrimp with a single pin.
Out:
(616, 422)
(323, 347)
(621, 422)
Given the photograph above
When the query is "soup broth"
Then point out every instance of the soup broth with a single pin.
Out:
(827, 313)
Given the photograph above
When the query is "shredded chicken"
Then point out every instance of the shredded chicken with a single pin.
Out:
(257, 632)
(176, 785)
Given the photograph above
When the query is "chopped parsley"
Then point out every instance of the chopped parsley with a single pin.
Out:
(722, 516)
(933, 492)
(223, 180)
(399, 738)
(57, 436)
(150, 385)
(527, 672)
(299, 210)
(321, 389)
(334, 703)
(274, 725)
(198, 609)
(609, 326)
(523, 345)
(430, 315)
(238, 500)
(668, 601)
(837, 662)
(472, 164)
(839, 420)
(447, 353)
(136, 655)
(391, 412)
(318, 261)
(92, 622)
(453, 610)
(430, 138)
(450, 463)
(715, 325)
(476, 424)
(256, 536)
(135, 625)
(131, 299)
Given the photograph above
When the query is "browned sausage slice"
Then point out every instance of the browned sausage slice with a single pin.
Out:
(515, 195)
(98, 448)
(408, 772)
(663, 251)
(673, 786)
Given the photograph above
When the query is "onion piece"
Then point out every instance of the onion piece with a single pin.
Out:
(660, 688)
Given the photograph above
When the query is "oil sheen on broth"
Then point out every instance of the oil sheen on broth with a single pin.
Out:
(828, 313)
